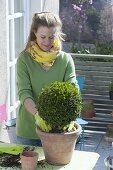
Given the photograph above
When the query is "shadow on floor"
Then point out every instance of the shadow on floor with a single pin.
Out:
(7, 135)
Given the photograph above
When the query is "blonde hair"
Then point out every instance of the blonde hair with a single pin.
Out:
(46, 19)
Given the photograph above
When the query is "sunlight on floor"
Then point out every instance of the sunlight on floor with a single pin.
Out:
(7, 135)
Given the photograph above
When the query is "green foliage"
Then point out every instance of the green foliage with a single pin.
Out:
(82, 51)
(59, 104)
(79, 2)
(109, 132)
(88, 106)
(94, 22)
(104, 48)
(100, 48)
(93, 19)
(111, 86)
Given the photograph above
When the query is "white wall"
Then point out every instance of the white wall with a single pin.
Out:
(43, 5)
(51, 5)
(3, 52)
(35, 6)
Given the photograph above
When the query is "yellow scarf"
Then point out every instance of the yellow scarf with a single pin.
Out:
(42, 57)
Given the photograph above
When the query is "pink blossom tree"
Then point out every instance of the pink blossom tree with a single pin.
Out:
(76, 19)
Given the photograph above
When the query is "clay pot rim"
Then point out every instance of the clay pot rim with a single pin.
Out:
(30, 154)
(78, 131)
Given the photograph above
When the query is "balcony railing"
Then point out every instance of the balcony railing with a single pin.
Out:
(98, 72)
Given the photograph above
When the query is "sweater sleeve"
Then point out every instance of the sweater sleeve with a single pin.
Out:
(23, 79)
(70, 75)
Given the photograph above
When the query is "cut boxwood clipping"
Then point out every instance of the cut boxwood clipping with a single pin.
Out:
(59, 105)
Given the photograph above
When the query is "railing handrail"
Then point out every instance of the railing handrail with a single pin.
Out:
(92, 55)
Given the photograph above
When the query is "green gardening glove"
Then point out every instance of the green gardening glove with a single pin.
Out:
(42, 124)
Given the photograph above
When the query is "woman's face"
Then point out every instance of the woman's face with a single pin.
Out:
(45, 37)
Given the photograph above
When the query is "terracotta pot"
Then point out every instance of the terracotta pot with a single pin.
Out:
(29, 160)
(88, 114)
(88, 109)
(59, 147)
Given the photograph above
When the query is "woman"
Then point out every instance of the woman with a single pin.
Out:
(41, 63)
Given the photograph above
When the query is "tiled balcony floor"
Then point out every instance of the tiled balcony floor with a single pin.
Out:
(94, 142)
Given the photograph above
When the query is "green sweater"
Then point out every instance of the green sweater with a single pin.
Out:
(31, 78)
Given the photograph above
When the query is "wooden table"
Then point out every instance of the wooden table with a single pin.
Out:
(81, 160)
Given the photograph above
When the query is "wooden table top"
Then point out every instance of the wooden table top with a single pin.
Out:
(81, 160)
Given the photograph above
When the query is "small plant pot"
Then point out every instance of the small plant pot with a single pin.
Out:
(88, 110)
(111, 95)
(88, 114)
(29, 160)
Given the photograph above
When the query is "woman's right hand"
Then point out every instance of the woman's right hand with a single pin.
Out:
(42, 124)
